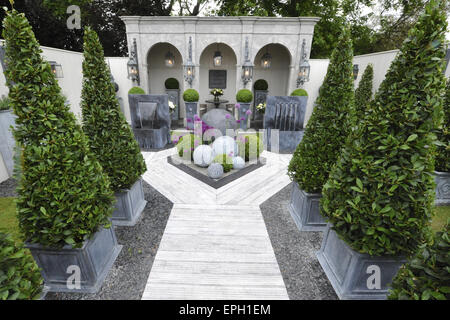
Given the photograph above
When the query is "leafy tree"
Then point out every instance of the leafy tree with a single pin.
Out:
(380, 193)
(427, 275)
(110, 136)
(443, 150)
(363, 94)
(63, 195)
(328, 126)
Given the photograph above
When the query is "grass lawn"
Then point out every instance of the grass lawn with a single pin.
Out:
(8, 220)
(440, 218)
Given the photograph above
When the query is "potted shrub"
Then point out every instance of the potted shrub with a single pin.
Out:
(442, 172)
(190, 97)
(243, 97)
(7, 120)
(20, 278)
(363, 94)
(136, 90)
(324, 137)
(64, 198)
(379, 196)
(173, 91)
(426, 276)
(110, 136)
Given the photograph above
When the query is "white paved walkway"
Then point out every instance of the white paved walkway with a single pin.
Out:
(215, 245)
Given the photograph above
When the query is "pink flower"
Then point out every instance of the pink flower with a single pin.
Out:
(242, 119)
(238, 121)
(237, 105)
(228, 116)
(248, 112)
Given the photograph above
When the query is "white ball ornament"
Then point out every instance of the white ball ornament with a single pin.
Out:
(238, 163)
(225, 145)
(203, 155)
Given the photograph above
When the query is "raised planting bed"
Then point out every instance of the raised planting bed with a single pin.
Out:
(129, 205)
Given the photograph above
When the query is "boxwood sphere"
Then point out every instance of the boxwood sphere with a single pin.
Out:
(191, 95)
(299, 92)
(136, 90)
(261, 84)
(172, 83)
(244, 95)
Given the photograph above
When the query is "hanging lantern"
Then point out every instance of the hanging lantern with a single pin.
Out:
(266, 60)
(132, 64)
(169, 59)
(303, 72)
(56, 69)
(217, 59)
(189, 72)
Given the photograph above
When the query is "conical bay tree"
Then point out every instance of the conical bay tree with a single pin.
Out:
(363, 94)
(328, 126)
(110, 136)
(443, 149)
(379, 195)
(63, 195)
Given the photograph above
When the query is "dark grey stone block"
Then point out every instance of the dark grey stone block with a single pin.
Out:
(287, 140)
(304, 209)
(150, 119)
(7, 142)
(352, 273)
(94, 259)
(174, 96)
(191, 111)
(442, 188)
(129, 205)
(260, 97)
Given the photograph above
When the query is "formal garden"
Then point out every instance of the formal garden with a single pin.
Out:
(242, 200)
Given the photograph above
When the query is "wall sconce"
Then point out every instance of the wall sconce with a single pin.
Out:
(170, 59)
(304, 68)
(266, 60)
(355, 71)
(189, 67)
(56, 69)
(217, 59)
(133, 65)
(247, 67)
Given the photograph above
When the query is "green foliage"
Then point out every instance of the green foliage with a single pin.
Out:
(186, 145)
(380, 192)
(110, 137)
(63, 195)
(20, 278)
(136, 90)
(250, 147)
(244, 95)
(191, 95)
(427, 275)
(4, 103)
(261, 84)
(328, 126)
(172, 83)
(443, 150)
(299, 92)
(225, 160)
(363, 94)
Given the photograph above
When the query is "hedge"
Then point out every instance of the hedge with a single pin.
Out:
(63, 194)
(191, 95)
(328, 126)
(443, 150)
(363, 94)
(244, 96)
(380, 194)
(110, 137)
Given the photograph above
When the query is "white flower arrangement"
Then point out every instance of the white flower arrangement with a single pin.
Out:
(172, 107)
(261, 107)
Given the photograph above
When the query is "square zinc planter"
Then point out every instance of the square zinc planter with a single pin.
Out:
(191, 110)
(93, 260)
(304, 209)
(442, 188)
(129, 205)
(354, 275)
(242, 114)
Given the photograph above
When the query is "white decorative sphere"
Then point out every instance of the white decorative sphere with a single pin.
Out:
(238, 163)
(225, 145)
(215, 170)
(203, 155)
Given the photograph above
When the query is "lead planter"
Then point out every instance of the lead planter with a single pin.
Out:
(354, 275)
(59, 267)
(442, 188)
(304, 209)
(129, 205)
(243, 114)
(191, 110)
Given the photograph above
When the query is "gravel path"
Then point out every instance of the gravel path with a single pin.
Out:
(295, 251)
(127, 278)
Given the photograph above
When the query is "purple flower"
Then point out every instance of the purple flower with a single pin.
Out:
(228, 116)
(248, 112)
(196, 143)
(196, 118)
(242, 119)
(238, 121)
(189, 120)
(237, 105)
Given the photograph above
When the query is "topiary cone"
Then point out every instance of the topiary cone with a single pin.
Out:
(328, 126)
(110, 137)
(380, 193)
(363, 94)
(63, 195)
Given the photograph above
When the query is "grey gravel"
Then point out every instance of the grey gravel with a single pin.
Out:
(295, 251)
(8, 188)
(127, 278)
